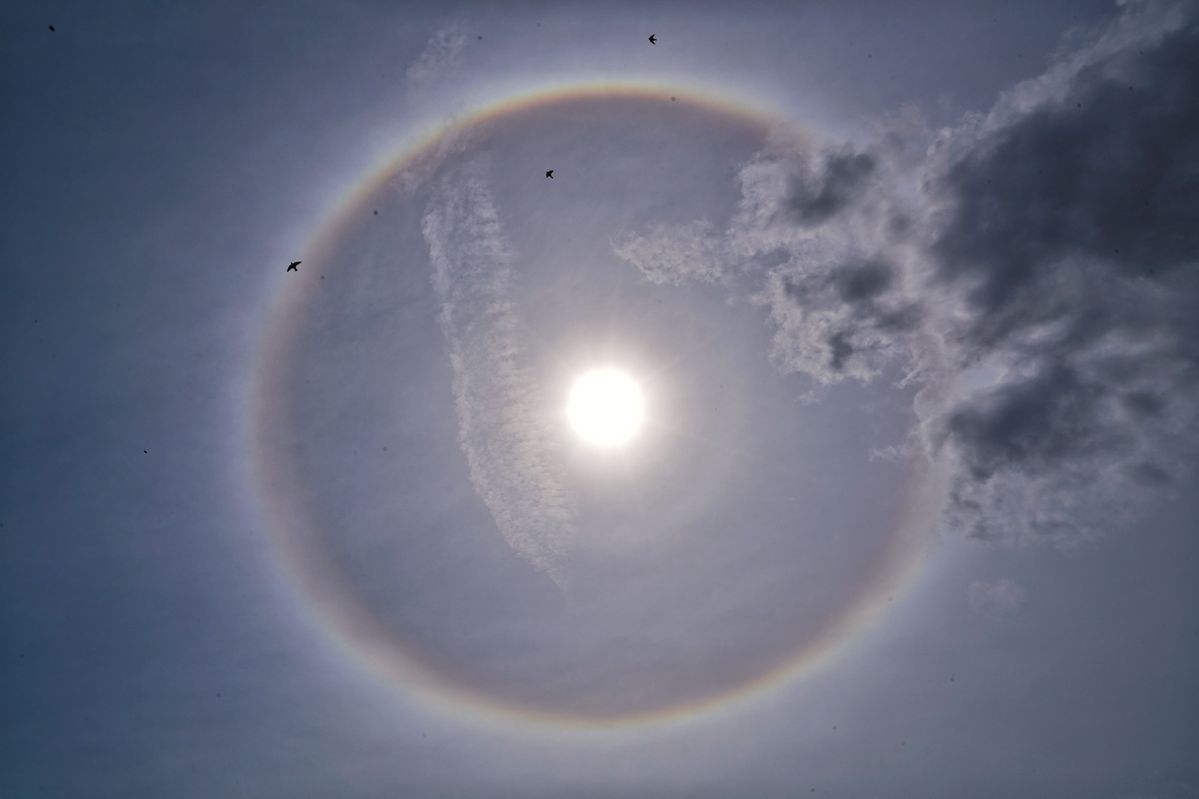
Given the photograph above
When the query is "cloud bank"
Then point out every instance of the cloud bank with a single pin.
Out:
(1034, 271)
(503, 423)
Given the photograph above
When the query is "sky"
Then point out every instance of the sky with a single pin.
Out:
(907, 292)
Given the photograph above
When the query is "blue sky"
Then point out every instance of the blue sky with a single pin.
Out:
(910, 294)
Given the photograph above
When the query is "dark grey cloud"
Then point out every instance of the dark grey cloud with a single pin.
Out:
(834, 182)
(864, 281)
(1105, 169)
(835, 320)
(863, 288)
(1106, 166)
(1065, 228)
(1037, 422)
(1032, 270)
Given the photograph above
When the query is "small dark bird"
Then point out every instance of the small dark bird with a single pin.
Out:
(292, 266)
(653, 39)
(51, 27)
(549, 173)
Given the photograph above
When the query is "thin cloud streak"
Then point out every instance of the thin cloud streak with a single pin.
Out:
(503, 423)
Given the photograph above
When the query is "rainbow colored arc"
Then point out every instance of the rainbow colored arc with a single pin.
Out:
(364, 638)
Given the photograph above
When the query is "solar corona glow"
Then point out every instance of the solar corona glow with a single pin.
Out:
(605, 408)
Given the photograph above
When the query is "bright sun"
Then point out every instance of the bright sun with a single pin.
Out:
(605, 407)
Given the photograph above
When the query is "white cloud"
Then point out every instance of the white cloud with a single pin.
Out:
(503, 422)
(438, 59)
(673, 255)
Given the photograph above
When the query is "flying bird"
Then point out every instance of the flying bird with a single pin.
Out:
(653, 39)
(292, 266)
(549, 173)
(51, 27)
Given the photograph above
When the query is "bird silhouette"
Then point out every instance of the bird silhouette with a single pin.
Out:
(292, 266)
(549, 173)
(653, 39)
(51, 27)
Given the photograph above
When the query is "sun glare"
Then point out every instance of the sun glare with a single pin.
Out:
(605, 407)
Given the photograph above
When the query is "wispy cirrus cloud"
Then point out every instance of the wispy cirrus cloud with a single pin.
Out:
(675, 255)
(503, 422)
(439, 58)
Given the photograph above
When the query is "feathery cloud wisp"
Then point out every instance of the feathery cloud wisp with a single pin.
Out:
(503, 422)
(439, 57)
